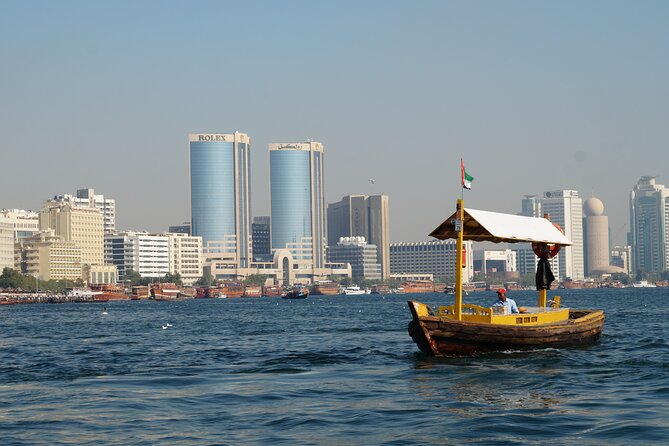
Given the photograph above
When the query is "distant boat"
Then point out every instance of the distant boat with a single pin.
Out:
(296, 292)
(326, 288)
(643, 284)
(353, 290)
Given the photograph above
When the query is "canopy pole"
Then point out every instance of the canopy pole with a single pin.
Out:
(460, 222)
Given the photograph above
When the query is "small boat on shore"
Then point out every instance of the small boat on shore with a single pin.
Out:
(465, 329)
(296, 292)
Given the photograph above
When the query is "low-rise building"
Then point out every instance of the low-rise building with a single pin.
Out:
(48, 256)
(359, 254)
(434, 257)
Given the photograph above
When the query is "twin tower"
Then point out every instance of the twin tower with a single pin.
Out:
(221, 197)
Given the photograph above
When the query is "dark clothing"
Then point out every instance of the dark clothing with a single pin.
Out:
(544, 276)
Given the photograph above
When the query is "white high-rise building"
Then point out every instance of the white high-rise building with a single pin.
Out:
(565, 208)
(88, 198)
(144, 253)
(185, 256)
(649, 223)
(6, 244)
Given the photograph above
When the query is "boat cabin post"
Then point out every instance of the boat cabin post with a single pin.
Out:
(460, 229)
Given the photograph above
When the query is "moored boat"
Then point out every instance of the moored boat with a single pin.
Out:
(296, 292)
(380, 288)
(353, 290)
(464, 329)
(107, 292)
(272, 291)
(326, 288)
(252, 291)
(165, 291)
(232, 289)
(417, 286)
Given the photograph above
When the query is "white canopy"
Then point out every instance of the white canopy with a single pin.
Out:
(484, 226)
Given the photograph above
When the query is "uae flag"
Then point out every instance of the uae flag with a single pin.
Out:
(466, 178)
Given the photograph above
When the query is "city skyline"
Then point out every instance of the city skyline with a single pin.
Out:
(534, 97)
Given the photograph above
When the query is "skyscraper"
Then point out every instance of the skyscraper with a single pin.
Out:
(220, 193)
(298, 200)
(649, 223)
(362, 216)
(596, 237)
(565, 208)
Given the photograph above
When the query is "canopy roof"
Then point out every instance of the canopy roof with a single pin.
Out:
(484, 226)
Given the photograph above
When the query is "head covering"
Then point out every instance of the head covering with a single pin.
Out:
(501, 291)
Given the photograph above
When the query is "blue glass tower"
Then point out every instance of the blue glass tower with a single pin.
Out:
(298, 200)
(220, 193)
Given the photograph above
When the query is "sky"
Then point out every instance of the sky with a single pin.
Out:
(533, 95)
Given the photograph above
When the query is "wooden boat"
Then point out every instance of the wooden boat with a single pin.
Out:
(417, 286)
(272, 291)
(296, 292)
(165, 291)
(252, 291)
(105, 292)
(232, 289)
(326, 288)
(464, 329)
(380, 288)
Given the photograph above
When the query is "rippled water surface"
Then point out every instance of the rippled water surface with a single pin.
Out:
(327, 370)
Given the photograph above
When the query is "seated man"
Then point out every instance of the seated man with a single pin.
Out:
(509, 305)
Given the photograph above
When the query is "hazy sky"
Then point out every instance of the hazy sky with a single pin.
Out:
(534, 95)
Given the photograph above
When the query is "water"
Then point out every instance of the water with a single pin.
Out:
(328, 370)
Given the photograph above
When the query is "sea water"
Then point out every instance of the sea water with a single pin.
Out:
(327, 370)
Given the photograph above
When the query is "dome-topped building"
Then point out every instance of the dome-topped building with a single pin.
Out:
(593, 207)
(596, 236)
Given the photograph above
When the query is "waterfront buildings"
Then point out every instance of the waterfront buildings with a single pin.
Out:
(565, 208)
(81, 225)
(362, 216)
(262, 241)
(24, 223)
(144, 253)
(360, 255)
(183, 228)
(531, 206)
(649, 224)
(155, 255)
(47, 256)
(6, 244)
(185, 253)
(88, 198)
(298, 201)
(435, 257)
(596, 234)
(498, 265)
(621, 256)
(220, 194)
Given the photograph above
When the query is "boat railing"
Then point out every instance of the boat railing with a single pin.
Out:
(470, 312)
